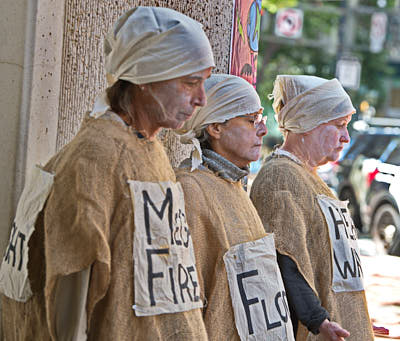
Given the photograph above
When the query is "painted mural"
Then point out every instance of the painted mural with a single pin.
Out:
(245, 37)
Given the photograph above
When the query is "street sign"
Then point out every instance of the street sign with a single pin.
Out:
(348, 72)
(289, 23)
(377, 33)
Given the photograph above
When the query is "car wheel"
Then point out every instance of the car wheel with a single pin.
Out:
(347, 194)
(386, 229)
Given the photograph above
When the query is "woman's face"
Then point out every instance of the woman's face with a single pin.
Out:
(170, 103)
(325, 142)
(240, 139)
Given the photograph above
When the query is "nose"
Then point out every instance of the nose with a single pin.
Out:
(262, 129)
(199, 97)
(345, 137)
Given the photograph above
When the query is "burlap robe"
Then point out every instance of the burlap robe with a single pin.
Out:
(89, 222)
(220, 215)
(285, 196)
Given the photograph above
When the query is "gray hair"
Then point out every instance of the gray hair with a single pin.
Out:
(204, 139)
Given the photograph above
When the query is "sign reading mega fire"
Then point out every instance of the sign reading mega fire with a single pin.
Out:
(289, 23)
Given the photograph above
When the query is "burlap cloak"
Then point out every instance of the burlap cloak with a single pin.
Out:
(285, 196)
(89, 222)
(220, 215)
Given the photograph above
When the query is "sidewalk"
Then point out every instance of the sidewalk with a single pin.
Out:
(382, 285)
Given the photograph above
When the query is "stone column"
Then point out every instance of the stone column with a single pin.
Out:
(30, 65)
(30, 62)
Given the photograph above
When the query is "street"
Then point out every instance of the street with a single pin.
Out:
(382, 285)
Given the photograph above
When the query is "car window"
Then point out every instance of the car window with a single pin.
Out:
(377, 146)
(394, 157)
(369, 145)
(359, 144)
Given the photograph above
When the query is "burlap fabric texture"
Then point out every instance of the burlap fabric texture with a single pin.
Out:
(285, 196)
(220, 215)
(89, 222)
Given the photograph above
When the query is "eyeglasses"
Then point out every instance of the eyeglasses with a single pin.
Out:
(257, 119)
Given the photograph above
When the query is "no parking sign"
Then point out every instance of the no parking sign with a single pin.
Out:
(289, 23)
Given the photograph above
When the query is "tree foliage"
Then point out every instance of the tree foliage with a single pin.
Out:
(273, 5)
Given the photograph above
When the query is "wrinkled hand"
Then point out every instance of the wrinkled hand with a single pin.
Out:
(332, 331)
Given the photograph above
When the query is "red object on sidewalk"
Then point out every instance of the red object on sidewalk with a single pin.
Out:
(380, 330)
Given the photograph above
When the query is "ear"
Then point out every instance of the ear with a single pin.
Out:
(214, 130)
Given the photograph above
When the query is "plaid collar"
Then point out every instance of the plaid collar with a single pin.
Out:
(224, 168)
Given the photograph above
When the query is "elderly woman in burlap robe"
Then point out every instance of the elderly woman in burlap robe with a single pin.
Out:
(91, 215)
(236, 259)
(315, 237)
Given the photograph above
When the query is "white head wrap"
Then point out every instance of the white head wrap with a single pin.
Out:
(151, 44)
(302, 103)
(228, 96)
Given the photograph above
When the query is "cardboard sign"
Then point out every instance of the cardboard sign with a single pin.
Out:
(258, 295)
(164, 265)
(347, 270)
(14, 282)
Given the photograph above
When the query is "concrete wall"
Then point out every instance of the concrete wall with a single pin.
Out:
(12, 45)
(12, 40)
(30, 68)
(43, 62)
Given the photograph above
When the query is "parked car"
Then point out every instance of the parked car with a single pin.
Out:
(364, 176)
(382, 204)
(353, 168)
